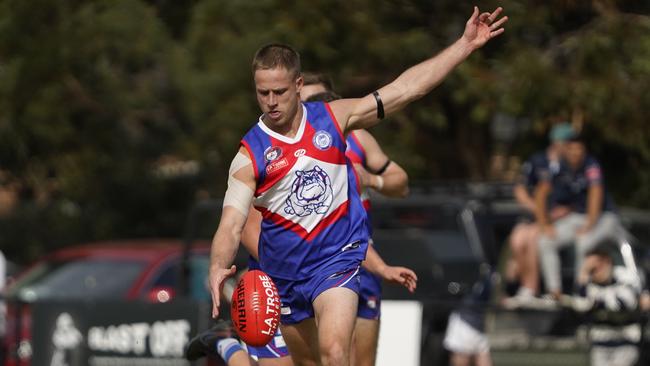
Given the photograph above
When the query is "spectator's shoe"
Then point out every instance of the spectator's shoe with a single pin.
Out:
(546, 302)
(521, 299)
(529, 301)
(205, 343)
(577, 303)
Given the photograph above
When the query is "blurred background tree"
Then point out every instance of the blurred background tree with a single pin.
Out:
(116, 115)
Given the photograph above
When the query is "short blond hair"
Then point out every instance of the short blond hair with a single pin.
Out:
(276, 55)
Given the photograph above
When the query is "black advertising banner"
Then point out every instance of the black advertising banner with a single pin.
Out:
(113, 333)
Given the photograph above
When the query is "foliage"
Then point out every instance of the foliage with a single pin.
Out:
(95, 94)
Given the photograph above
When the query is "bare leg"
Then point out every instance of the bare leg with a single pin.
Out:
(366, 335)
(483, 359)
(302, 341)
(460, 359)
(517, 252)
(336, 311)
(530, 260)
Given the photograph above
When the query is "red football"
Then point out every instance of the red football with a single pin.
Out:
(255, 308)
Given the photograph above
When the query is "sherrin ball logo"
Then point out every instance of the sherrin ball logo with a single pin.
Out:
(255, 309)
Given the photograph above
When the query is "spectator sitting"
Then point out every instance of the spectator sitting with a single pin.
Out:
(609, 294)
(579, 185)
(523, 264)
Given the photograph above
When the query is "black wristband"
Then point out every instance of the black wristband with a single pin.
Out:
(380, 105)
(383, 168)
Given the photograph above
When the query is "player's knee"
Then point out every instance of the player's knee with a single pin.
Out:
(517, 237)
(517, 244)
(334, 353)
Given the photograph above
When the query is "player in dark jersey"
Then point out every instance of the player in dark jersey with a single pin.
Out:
(291, 167)
(579, 185)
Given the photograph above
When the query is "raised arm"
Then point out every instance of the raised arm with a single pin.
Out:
(380, 173)
(237, 200)
(420, 79)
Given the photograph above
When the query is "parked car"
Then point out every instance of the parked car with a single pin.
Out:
(148, 270)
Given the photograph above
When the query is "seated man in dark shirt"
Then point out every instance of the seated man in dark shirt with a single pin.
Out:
(579, 185)
(524, 263)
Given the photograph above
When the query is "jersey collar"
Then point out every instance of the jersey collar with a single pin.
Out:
(283, 138)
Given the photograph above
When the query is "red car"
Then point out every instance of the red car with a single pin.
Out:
(148, 270)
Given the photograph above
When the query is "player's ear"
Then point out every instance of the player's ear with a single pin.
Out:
(299, 83)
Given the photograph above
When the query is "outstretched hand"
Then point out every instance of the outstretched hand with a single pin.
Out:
(481, 28)
(217, 278)
(401, 275)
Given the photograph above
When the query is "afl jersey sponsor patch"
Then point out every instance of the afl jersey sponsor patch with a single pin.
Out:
(272, 153)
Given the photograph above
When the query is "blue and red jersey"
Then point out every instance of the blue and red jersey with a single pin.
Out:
(357, 155)
(308, 195)
(370, 288)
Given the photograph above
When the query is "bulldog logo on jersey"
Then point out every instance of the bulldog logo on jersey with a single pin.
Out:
(322, 140)
(311, 192)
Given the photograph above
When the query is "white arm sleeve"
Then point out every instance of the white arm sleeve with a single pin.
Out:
(238, 194)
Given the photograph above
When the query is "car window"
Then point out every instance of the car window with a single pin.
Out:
(170, 277)
(79, 279)
(199, 278)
